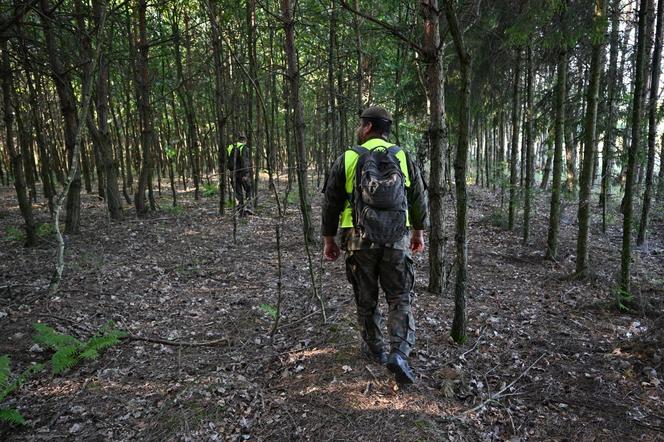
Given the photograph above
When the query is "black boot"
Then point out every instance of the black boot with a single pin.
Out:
(378, 357)
(398, 365)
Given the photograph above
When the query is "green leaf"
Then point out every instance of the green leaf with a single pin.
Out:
(89, 354)
(11, 416)
(52, 339)
(64, 359)
(270, 310)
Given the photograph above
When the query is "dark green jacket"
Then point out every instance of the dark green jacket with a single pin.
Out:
(335, 197)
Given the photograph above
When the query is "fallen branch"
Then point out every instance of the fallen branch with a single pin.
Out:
(494, 397)
(463, 355)
(372, 374)
(225, 341)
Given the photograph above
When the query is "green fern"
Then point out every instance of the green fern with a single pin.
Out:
(52, 339)
(11, 416)
(69, 351)
(64, 359)
(8, 386)
(270, 310)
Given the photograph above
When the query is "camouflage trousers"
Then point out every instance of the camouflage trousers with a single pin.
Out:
(393, 270)
(242, 187)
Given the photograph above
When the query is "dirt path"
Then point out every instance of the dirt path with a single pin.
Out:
(548, 357)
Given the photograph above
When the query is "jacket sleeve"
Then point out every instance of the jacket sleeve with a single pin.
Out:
(334, 197)
(246, 158)
(418, 204)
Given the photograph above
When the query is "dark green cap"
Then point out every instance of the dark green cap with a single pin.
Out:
(376, 112)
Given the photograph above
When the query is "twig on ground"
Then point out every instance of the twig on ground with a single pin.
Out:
(498, 395)
(463, 355)
(372, 373)
(225, 341)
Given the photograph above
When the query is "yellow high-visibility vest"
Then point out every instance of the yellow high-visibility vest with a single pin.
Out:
(350, 162)
(231, 146)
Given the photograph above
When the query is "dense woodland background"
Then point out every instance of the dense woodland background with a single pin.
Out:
(537, 126)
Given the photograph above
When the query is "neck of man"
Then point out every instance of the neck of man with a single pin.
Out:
(371, 136)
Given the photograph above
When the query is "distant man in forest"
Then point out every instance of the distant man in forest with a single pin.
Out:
(239, 163)
(376, 194)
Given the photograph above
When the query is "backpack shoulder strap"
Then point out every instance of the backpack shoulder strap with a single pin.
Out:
(394, 149)
(360, 150)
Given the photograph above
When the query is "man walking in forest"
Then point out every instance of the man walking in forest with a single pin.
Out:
(375, 193)
(240, 166)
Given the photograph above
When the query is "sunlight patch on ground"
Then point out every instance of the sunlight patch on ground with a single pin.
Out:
(310, 353)
(369, 395)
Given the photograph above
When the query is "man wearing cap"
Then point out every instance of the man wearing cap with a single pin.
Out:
(369, 264)
(240, 165)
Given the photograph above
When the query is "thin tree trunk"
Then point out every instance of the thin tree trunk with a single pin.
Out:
(14, 155)
(590, 141)
(660, 184)
(530, 160)
(547, 165)
(85, 165)
(652, 127)
(109, 187)
(218, 100)
(332, 122)
(570, 148)
(62, 80)
(185, 94)
(627, 206)
(516, 106)
(142, 80)
(25, 154)
(460, 164)
(431, 52)
(610, 133)
(287, 7)
(559, 135)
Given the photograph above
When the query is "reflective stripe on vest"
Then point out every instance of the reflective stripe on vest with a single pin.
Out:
(230, 147)
(350, 162)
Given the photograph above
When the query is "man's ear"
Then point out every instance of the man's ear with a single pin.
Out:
(366, 129)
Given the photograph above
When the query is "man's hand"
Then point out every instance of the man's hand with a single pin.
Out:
(331, 249)
(417, 241)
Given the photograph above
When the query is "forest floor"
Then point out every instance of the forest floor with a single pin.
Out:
(548, 356)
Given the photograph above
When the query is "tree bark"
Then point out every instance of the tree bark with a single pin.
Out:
(142, 82)
(610, 133)
(660, 179)
(287, 10)
(360, 103)
(218, 100)
(652, 127)
(530, 160)
(15, 157)
(590, 142)
(431, 54)
(62, 79)
(516, 106)
(184, 90)
(559, 135)
(627, 205)
(547, 165)
(460, 166)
